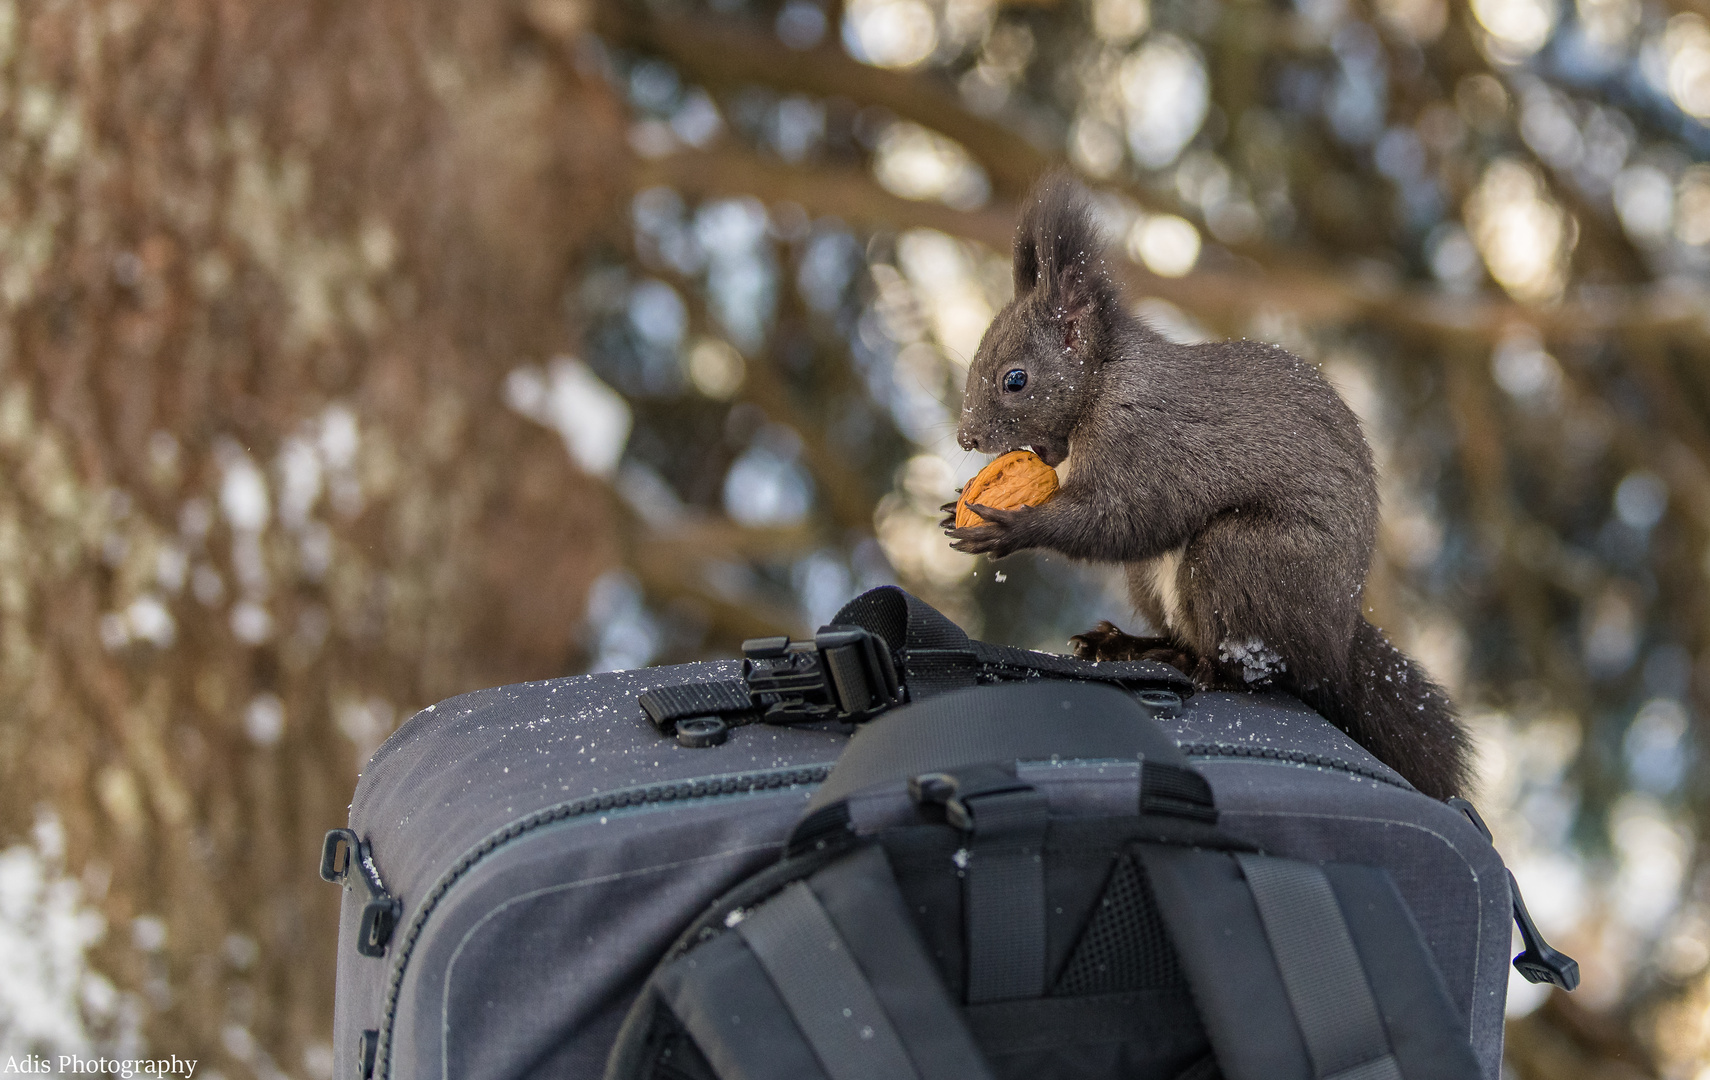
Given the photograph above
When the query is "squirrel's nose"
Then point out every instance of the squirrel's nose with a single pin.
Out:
(967, 441)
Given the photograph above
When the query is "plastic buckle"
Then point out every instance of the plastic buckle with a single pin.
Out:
(844, 673)
(380, 914)
(961, 792)
(1538, 962)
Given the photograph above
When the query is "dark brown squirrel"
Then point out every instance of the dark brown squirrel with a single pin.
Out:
(1229, 479)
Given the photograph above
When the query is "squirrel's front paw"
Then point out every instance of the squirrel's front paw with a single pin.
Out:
(997, 538)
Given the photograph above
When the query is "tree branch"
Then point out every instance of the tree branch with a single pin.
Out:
(1222, 295)
(717, 53)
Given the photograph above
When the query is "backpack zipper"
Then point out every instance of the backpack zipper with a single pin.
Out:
(1293, 757)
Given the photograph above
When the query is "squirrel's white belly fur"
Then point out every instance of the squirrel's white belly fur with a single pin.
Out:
(1154, 589)
(1152, 584)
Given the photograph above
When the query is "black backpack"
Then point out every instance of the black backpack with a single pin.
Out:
(1020, 865)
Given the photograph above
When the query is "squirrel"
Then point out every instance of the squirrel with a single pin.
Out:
(1230, 480)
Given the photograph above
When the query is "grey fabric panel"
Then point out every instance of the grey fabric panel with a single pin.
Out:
(997, 724)
(1320, 969)
(538, 953)
(456, 771)
(732, 1010)
(1429, 1037)
(860, 895)
(824, 989)
(1269, 721)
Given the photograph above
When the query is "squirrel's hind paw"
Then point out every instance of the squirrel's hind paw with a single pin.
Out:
(1106, 642)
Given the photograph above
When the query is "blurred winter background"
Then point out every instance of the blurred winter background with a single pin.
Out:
(360, 354)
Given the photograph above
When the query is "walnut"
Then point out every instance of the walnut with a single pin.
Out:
(1018, 478)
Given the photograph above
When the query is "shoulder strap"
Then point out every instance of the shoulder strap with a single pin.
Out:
(1320, 970)
(826, 980)
(824, 989)
(1307, 972)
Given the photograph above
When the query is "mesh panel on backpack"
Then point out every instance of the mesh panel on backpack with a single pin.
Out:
(1124, 946)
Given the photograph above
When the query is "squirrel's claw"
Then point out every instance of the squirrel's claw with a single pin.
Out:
(995, 538)
(1000, 518)
(977, 540)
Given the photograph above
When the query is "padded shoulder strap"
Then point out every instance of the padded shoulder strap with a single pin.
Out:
(988, 724)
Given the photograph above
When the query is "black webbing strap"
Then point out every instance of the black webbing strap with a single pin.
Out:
(1166, 788)
(665, 705)
(1003, 889)
(824, 990)
(932, 656)
(1320, 969)
(1009, 662)
(936, 655)
(860, 894)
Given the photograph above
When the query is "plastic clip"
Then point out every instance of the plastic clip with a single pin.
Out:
(1539, 962)
(366, 1045)
(961, 792)
(845, 673)
(380, 914)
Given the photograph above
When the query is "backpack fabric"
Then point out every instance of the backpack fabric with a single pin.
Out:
(1018, 866)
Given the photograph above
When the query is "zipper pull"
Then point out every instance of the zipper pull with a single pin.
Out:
(1538, 962)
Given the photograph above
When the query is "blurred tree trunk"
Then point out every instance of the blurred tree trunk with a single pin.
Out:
(227, 231)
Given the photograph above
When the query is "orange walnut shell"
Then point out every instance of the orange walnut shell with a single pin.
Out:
(1018, 478)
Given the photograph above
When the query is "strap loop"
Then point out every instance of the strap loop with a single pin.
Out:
(1177, 790)
(1003, 876)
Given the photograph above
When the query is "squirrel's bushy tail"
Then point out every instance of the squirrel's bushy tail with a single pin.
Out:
(1389, 706)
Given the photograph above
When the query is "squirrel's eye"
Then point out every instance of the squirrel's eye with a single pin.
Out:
(1015, 380)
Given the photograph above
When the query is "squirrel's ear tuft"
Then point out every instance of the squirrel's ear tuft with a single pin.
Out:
(1059, 247)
